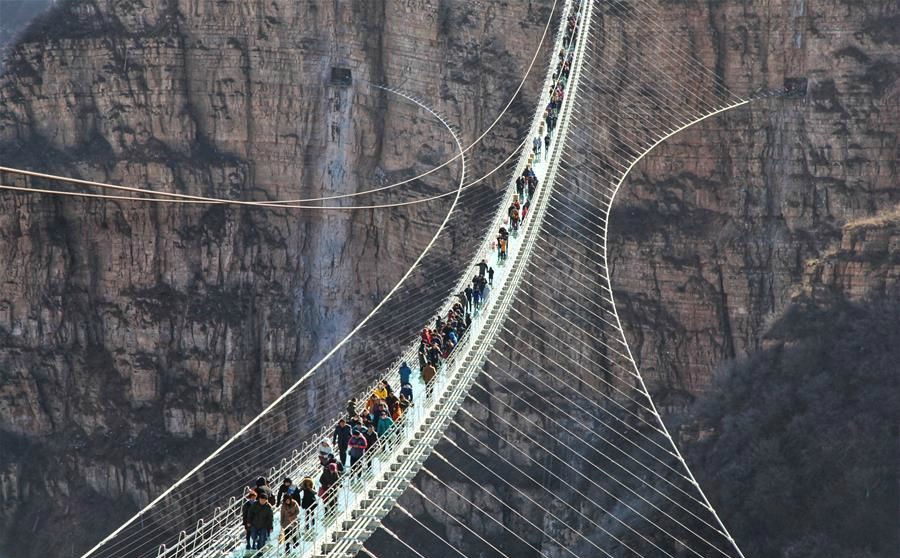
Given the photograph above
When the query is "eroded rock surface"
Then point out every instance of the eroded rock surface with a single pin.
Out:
(715, 229)
(128, 330)
(714, 236)
(135, 337)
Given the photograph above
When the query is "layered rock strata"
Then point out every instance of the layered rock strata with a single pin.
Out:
(714, 235)
(136, 337)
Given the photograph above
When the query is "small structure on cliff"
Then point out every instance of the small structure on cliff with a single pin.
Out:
(342, 77)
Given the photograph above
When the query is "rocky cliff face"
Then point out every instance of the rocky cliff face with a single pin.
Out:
(714, 236)
(716, 229)
(864, 266)
(134, 337)
(14, 16)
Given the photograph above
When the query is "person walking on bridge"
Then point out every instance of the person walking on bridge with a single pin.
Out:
(434, 352)
(371, 437)
(461, 297)
(385, 423)
(482, 267)
(328, 486)
(246, 510)
(428, 374)
(381, 391)
(332, 460)
(262, 487)
(393, 409)
(324, 451)
(502, 240)
(358, 445)
(405, 373)
(261, 521)
(290, 511)
(355, 422)
(286, 487)
(341, 438)
(308, 501)
(513, 213)
(406, 391)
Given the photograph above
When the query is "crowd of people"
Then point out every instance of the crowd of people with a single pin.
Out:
(352, 437)
(364, 425)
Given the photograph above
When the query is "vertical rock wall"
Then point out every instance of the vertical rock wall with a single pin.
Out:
(714, 230)
(135, 337)
(713, 235)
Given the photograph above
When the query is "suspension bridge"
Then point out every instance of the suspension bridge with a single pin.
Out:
(545, 353)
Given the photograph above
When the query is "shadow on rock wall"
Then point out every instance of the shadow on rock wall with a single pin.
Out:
(797, 445)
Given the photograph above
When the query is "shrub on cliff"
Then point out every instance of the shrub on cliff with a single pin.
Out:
(802, 455)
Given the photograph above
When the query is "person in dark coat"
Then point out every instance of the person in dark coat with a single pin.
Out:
(327, 486)
(246, 510)
(308, 502)
(406, 391)
(423, 359)
(371, 437)
(261, 521)
(262, 487)
(482, 267)
(358, 445)
(332, 460)
(341, 437)
(285, 488)
(434, 355)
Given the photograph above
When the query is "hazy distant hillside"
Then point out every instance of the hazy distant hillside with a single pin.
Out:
(14, 15)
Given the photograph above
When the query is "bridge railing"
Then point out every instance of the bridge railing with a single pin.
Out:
(449, 369)
(223, 532)
(345, 493)
(300, 461)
